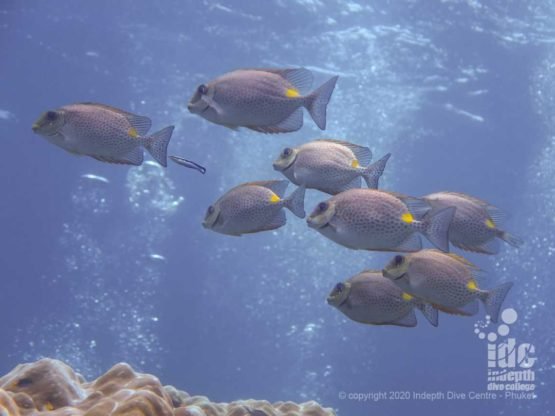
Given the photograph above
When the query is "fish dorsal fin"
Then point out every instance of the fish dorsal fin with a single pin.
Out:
(278, 187)
(496, 214)
(300, 78)
(362, 153)
(417, 206)
(462, 260)
(456, 257)
(140, 123)
(465, 196)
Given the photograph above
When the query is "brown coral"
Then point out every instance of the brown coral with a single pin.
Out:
(52, 387)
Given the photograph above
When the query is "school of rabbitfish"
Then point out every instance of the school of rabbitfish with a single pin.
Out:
(271, 101)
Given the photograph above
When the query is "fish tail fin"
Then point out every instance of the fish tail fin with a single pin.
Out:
(157, 145)
(513, 240)
(493, 299)
(374, 172)
(436, 227)
(429, 312)
(317, 102)
(295, 202)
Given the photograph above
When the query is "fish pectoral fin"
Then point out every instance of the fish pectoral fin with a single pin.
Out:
(292, 123)
(214, 105)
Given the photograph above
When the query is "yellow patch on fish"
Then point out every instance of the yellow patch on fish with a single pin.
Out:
(355, 164)
(407, 217)
(490, 223)
(48, 406)
(274, 199)
(407, 297)
(472, 286)
(132, 132)
(292, 93)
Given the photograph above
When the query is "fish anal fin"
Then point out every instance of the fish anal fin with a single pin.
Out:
(411, 244)
(470, 309)
(292, 123)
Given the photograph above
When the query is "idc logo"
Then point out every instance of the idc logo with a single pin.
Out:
(510, 363)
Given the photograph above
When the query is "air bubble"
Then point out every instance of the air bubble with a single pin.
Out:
(509, 316)
(503, 330)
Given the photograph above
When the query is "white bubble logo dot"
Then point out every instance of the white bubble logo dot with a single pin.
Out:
(481, 335)
(503, 330)
(509, 316)
(476, 331)
(492, 337)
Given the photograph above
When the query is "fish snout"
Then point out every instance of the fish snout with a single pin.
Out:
(313, 223)
(190, 107)
(35, 127)
(387, 274)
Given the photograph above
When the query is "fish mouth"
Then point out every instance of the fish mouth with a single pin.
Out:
(277, 167)
(391, 276)
(333, 302)
(313, 224)
(316, 225)
(195, 110)
(35, 127)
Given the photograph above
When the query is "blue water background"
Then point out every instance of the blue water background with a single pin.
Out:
(95, 273)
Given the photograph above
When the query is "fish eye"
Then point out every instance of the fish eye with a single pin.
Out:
(398, 260)
(287, 152)
(322, 206)
(210, 210)
(339, 287)
(51, 115)
(202, 89)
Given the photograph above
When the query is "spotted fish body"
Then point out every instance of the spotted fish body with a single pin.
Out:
(370, 298)
(474, 226)
(369, 219)
(253, 207)
(330, 166)
(104, 133)
(446, 280)
(265, 100)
